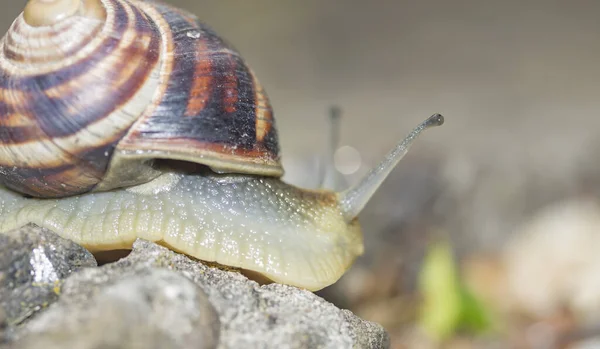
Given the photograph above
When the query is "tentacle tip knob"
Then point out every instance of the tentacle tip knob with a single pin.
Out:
(40, 13)
(335, 112)
(434, 120)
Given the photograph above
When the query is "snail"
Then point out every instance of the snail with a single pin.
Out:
(124, 119)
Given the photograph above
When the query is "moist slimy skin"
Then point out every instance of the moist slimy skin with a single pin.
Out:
(289, 235)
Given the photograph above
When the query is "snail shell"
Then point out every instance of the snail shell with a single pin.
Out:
(88, 102)
(93, 91)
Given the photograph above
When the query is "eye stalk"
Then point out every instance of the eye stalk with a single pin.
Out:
(354, 199)
(40, 13)
(330, 177)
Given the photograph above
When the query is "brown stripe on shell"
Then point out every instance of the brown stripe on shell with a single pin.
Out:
(98, 87)
(50, 182)
(202, 82)
(74, 176)
(73, 118)
(210, 113)
(229, 87)
(264, 112)
(37, 50)
(15, 121)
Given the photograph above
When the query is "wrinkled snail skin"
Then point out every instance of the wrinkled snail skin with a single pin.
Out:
(126, 119)
(291, 236)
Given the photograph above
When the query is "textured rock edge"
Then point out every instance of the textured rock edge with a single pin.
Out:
(274, 315)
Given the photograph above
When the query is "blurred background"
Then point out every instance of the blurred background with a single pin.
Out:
(487, 234)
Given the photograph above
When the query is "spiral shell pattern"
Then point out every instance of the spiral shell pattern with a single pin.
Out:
(149, 81)
(69, 93)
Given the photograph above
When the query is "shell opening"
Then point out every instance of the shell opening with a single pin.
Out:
(39, 13)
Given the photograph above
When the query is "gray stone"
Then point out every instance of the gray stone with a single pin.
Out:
(33, 263)
(155, 308)
(157, 298)
(252, 316)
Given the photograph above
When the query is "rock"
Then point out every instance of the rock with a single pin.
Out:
(157, 298)
(155, 308)
(33, 263)
(269, 316)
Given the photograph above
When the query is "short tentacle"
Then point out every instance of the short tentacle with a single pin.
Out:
(330, 176)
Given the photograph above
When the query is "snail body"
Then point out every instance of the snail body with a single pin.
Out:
(289, 235)
(148, 125)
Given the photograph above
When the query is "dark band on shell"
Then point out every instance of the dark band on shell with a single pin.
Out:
(54, 102)
(58, 121)
(211, 104)
(65, 109)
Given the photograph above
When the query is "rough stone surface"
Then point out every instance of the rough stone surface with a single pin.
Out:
(33, 263)
(157, 298)
(155, 308)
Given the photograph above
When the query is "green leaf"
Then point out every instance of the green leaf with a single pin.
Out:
(447, 305)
